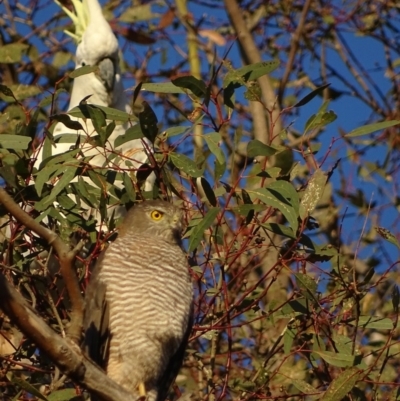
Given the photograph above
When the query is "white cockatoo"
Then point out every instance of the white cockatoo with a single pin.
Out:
(98, 46)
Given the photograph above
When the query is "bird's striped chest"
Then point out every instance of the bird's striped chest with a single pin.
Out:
(147, 281)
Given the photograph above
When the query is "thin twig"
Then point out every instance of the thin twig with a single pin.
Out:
(66, 258)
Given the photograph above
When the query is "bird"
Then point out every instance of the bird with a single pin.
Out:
(98, 46)
(139, 302)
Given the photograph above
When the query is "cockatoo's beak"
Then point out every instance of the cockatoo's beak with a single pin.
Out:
(107, 73)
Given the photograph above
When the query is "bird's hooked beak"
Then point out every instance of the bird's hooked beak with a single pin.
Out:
(177, 222)
(107, 73)
(177, 225)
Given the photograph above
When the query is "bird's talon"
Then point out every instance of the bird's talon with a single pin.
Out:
(142, 390)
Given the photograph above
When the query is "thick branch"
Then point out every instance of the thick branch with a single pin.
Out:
(66, 257)
(252, 55)
(293, 50)
(262, 132)
(65, 354)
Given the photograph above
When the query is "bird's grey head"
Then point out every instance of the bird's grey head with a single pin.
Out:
(157, 219)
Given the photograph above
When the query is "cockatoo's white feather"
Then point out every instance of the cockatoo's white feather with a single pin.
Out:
(80, 18)
(98, 46)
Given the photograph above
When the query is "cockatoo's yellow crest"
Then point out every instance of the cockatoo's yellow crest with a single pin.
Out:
(80, 18)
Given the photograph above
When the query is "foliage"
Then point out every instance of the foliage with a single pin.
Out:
(294, 262)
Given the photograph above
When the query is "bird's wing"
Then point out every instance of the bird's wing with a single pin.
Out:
(174, 364)
(96, 319)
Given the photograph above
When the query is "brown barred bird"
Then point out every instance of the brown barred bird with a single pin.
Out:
(138, 311)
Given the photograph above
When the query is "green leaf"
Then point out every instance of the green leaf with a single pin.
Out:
(67, 121)
(250, 72)
(282, 196)
(8, 174)
(142, 12)
(87, 192)
(288, 338)
(318, 253)
(87, 69)
(368, 129)
(110, 129)
(5, 90)
(279, 229)
(298, 306)
(311, 96)
(60, 59)
(167, 87)
(98, 178)
(343, 344)
(219, 170)
(337, 359)
(62, 395)
(173, 131)
(130, 190)
(271, 172)
(44, 175)
(253, 92)
(307, 285)
(247, 201)
(131, 133)
(321, 118)
(213, 141)
(342, 385)
(287, 191)
(148, 122)
(185, 164)
(68, 204)
(373, 322)
(21, 92)
(14, 142)
(257, 148)
(81, 111)
(57, 159)
(305, 388)
(313, 193)
(198, 231)
(99, 122)
(388, 236)
(66, 178)
(208, 191)
(229, 97)
(244, 210)
(198, 87)
(13, 52)
(26, 386)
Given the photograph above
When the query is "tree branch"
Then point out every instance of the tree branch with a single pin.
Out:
(251, 55)
(66, 258)
(64, 353)
(293, 50)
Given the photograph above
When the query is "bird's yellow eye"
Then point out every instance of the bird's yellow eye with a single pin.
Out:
(157, 215)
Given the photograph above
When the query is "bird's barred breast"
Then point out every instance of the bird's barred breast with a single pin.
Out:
(150, 296)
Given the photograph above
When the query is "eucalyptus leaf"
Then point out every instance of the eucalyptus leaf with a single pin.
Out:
(342, 385)
(196, 86)
(370, 128)
(250, 72)
(198, 231)
(14, 142)
(185, 164)
(87, 69)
